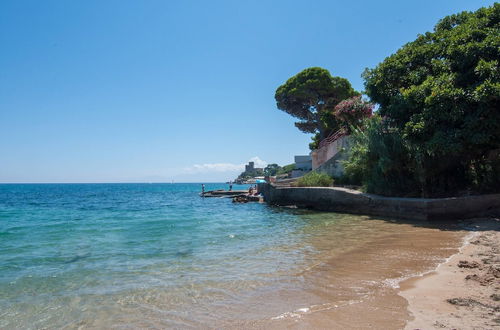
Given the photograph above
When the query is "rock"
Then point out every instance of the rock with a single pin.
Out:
(494, 270)
(240, 199)
(471, 303)
(484, 280)
(468, 264)
(462, 301)
(495, 297)
(473, 277)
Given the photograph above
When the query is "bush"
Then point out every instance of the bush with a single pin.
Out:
(315, 179)
(352, 112)
(380, 161)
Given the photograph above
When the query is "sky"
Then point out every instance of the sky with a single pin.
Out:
(155, 91)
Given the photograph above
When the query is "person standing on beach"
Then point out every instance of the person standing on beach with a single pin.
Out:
(230, 187)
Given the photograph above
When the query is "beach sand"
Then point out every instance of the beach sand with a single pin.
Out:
(464, 291)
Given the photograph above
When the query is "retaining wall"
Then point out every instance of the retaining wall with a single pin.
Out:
(352, 201)
(322, 155)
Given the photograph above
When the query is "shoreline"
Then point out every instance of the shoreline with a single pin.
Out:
(463, 291)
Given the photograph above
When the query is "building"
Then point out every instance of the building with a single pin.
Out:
(250, 167)
(303, 164)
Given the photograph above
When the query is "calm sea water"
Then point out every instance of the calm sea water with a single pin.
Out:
(158, 255)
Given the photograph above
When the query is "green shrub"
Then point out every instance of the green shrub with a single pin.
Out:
(315, 179)
(380, 161)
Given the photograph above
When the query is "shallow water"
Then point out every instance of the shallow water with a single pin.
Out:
(158, 255)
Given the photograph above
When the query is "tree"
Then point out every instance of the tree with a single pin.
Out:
(311, 96)
(286, 169)
(442, 93)
(271, 169)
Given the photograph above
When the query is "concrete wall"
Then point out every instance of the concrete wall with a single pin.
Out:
(322, 155)
(351, 201)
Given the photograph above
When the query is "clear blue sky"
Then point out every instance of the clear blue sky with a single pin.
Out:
(125, 91)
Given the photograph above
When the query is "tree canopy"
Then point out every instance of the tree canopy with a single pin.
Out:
(271, 169)
(311, 96)
(441, 95)
(443, 89)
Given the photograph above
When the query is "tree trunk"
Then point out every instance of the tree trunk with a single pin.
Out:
(321, 125)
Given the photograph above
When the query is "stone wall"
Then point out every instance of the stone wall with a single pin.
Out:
(352, 201)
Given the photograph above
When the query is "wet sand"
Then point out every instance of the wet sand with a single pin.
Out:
(422, 276)
(463, 292)
(359, 288)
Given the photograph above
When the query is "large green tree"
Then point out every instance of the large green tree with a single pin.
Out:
(442, 93)
(311, 96)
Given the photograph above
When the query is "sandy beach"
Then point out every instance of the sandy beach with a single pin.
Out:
(464, 291)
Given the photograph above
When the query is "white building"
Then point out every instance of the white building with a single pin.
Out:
(303, 164)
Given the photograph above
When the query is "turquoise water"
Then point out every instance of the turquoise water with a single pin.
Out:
(66, 248)
(78, 256)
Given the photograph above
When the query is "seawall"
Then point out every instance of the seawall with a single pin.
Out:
(351, 201)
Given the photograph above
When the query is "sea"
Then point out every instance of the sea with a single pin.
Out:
(156, 256)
